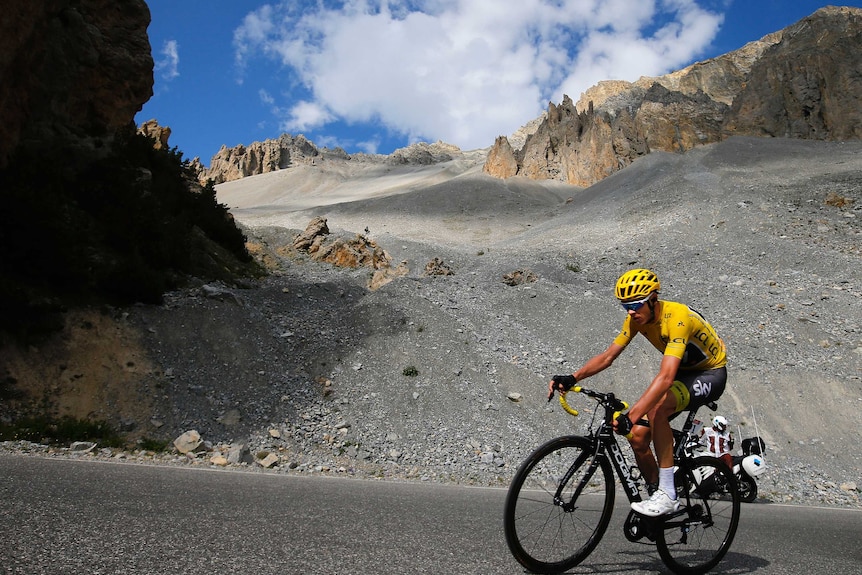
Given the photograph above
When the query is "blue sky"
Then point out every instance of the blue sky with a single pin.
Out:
(377, 75)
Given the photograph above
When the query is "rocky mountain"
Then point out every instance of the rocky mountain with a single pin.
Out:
(800, 82)
(82, 85)
(440, 374)
(288, 151)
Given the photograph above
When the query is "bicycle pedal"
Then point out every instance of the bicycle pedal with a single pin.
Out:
(637, 527)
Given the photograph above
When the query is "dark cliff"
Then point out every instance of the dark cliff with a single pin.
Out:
(71, 70)
(93, 211)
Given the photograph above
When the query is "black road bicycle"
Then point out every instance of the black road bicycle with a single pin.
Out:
(561, 499)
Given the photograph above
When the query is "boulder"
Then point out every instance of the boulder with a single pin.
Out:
(437, 267)
(315, 229)
(189, 442)
(270, 460)
(238, 454)
(359, 251)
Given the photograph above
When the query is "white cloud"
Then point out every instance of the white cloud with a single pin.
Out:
(463, 71)
(266, 97)
(254, 33)
(306, 116)
(168, 64)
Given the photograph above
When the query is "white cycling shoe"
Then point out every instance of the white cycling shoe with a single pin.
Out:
(659, 504)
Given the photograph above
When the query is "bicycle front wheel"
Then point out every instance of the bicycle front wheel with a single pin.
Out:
(559, 505)
(694, 539)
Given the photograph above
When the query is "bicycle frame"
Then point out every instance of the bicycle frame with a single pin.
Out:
(606, 444)
(621, 467)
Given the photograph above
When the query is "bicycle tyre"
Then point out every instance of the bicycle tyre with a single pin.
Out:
(539, 530)
(694, 539)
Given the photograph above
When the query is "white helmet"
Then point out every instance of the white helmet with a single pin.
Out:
(719, 422)
(754, 465)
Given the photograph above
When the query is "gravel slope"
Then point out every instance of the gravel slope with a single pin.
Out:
(310, 365)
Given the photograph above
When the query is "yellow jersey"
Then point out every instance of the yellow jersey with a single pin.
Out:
(680, 332)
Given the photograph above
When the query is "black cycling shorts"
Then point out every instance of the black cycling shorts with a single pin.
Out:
(696, 388)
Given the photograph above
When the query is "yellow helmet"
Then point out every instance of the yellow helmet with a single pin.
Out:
(636, 284)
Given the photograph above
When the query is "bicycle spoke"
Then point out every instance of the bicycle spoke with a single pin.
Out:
(694, 539)
(550, 535)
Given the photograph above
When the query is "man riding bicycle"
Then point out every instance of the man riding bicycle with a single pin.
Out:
(692, 373)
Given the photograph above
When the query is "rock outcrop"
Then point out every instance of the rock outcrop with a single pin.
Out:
(354, 253)
(424, 154)
(261, 158)
(158, 134)
(800, 82)
(71, 70)
(107, 218)
(501, 159)
(809, 84)
(287, 151)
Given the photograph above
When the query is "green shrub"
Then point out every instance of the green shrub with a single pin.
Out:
(121, 228)
(410, 371)
(42, 429)
(156, 445)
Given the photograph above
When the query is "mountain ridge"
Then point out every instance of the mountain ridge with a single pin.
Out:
(798, 83)
(795, 82)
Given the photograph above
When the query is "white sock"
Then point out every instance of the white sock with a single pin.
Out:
(665, 481)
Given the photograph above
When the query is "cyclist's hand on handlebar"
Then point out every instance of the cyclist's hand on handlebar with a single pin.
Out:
(623, 425)
(560, 383)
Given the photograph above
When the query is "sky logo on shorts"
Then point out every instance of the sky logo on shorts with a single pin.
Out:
(701, 389)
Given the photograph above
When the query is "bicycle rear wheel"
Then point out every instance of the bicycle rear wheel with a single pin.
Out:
(694, 539)
(557, 500)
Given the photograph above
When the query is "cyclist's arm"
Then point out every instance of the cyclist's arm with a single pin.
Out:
(657, 388)
(593, 365)
(599, 362)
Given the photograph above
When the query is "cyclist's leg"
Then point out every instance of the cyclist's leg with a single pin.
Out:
(640, 442)
(663, 500)
(689, 390)
(692, 389)
(659, 433)
(662, 434)
(663, 442)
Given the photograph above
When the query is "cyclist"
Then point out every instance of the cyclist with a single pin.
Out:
(692, 372)
(718, 439)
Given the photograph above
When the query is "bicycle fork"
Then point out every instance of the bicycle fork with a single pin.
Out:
(582, 457)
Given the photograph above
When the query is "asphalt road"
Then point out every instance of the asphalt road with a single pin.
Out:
(61, 516)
